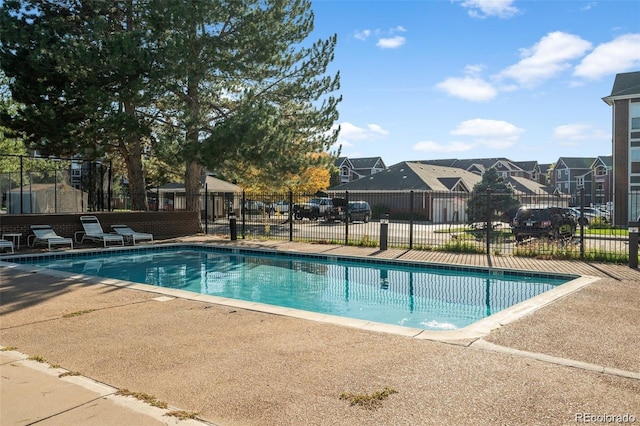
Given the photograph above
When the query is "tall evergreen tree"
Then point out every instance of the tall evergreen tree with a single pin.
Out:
(80, 70)
(243, 88)
(216, 83)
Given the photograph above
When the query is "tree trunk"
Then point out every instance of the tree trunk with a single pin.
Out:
(192, 185)
(135, 174)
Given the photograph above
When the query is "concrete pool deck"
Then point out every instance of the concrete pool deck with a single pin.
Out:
(575, 357)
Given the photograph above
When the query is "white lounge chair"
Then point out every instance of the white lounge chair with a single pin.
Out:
(44, 234)
(6, 244)
(130, 235)
(93, 231)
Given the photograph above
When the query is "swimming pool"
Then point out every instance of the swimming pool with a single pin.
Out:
(409, 294)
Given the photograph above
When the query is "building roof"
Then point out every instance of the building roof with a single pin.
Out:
(606, 160)
(406, 176)
(341, 160)
(528, 166)
(482, 164)
(213, 184)
(576, 162)
(522, 185)
(625, 85)
(366, 163)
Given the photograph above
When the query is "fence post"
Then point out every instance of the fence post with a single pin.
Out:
(488, 224)
(346, 218)
(206, 209)
(55, 189)
(109, 189)
(21, 185)
(581, 190)
(242, 213)
(411, 220)
(633, 244)
(290, 215)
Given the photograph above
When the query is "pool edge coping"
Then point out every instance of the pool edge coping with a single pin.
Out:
(474, 331)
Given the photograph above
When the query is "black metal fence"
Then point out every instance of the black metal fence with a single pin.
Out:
(38, 185)
(423, 220)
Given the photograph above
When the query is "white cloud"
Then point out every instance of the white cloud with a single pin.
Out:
(486, 8)
(391, 43)
(376, 129)
(571, 134)
(398, 29)
(619, 55)
(350, 133)
(547, 58)
(362, 35)
(494, 134)
(588, 6)
(469, 88)
(430, 146)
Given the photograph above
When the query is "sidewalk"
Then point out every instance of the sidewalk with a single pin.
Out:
(34, 393)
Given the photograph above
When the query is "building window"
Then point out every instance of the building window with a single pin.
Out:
(634, 158)
(580, 181)
(634, 113)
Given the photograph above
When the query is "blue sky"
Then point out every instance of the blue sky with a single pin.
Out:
(463, 79)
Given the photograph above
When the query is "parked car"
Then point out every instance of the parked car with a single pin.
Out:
(359, 210)
(355, 211)
(543, 222)
(312, 209)
(281, 207)
(589, 214)
(255, 207)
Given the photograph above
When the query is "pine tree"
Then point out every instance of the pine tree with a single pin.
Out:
(244, 89)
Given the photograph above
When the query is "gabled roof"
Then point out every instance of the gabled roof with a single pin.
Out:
(522, 185)
(451, 182)
(213, 185)
(407, 176)
(528, 166)
(605, 160)
(482, 164)
(576, 162)
(366, 163)
(544, 167)
(341, 161)
(625, 85)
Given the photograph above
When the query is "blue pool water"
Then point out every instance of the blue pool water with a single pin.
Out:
(431, 298)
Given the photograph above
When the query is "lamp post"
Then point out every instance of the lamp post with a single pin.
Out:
(384, 231)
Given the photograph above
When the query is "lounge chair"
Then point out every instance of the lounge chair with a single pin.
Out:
(93, 231)
(6, 244)
(130, 235)
(44, 234)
